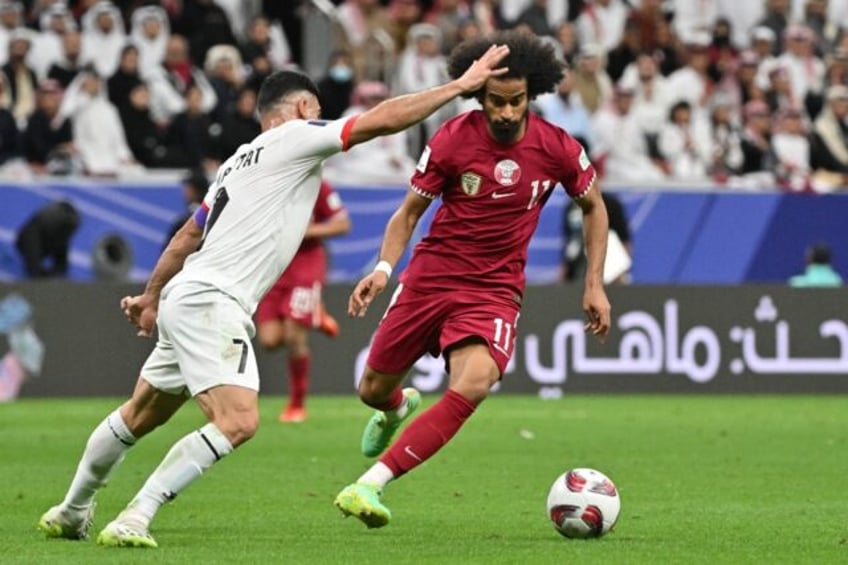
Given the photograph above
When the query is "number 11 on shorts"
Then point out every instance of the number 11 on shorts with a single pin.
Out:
(502, 340)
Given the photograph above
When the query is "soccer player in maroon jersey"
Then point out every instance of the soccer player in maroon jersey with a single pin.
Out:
(293, 306)
(494, 169)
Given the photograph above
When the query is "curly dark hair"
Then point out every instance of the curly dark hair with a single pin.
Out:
(529, 58)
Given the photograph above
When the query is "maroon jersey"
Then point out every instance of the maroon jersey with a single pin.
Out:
(492, 195)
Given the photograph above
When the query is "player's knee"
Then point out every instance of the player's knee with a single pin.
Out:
(239, 428)
(268, 340)
(476, 386)
(374, 389)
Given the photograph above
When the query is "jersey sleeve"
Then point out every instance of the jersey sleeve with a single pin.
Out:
(433, 170)
(328, 204)
(578, 172)
(322, 138)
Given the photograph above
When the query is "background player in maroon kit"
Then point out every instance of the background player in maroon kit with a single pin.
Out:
(293, 306)
(461, 293)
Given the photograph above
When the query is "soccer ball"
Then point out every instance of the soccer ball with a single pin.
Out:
(583, 503)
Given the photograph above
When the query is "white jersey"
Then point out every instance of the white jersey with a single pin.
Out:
(259, 206)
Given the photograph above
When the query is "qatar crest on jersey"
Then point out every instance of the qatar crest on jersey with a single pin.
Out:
(470, 183)
(507, 172)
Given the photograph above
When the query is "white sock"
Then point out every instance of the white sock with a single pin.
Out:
(399, 412)
(185, 462)
(105, 449)
(379, 474)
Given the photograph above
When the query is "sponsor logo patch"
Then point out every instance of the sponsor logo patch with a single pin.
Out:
(470, 183)
(583, 160)
(421, 167)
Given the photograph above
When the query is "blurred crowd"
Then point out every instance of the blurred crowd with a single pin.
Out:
(749, 93)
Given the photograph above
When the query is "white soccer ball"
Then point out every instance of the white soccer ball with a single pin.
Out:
(583, 503)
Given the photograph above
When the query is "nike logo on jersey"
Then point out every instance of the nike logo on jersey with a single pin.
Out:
(409, 452)
(497, 195)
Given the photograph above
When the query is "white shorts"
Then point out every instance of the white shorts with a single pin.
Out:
(204, 341)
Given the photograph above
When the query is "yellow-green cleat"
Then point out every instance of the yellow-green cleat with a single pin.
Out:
(65, 523)
(362, 500)
(126, 531)
(380, 428)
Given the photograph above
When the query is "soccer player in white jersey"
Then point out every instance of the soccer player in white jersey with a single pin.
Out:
(205, 288)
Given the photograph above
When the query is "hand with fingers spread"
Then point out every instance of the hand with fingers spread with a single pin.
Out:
(597, 310)
(484, 68)
(141, 312)
(366, 290)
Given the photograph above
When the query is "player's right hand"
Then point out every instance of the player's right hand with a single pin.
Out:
(484, 68)
(366, 290)
(141, 312)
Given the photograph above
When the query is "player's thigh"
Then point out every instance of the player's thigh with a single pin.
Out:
(211, 335)
(410, 328)
(473, 370)
(149, 408)
(233, 409)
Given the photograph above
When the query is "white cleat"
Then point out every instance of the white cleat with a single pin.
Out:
(127, 530)
(59, 522)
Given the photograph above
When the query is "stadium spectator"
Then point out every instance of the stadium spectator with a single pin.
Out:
(265, 39)
(402, 15)
(488, 16)
(649, 17)
(806, 70)
(758, 154)
(684, 142)
(440, 306)
(776, 19)
(99, 136)
(447, 15)
(620, 147)
(10, 143)
(722, 53)
(47, 139)
(564, 109)
(535, 18)
(739, 85)
(763, 43)
(238, 126)
(149, 34)
(170, 81)
(829, 138)
(824, 31)
(780, 95)
(293, 306)
(591, 82)
(11, 20)
(361, 31)
(241, 14)
(44, 240)
(666, 48)
(69, 63)
(602, 22)
(203, 23)
(48, 47)
(625, 52)
(126, 78)
(145, 139)
(745, 17)
(726, 135)
(225, 71)
(694, 17)
(379, 160)
(652, 98)
(566, 36)
(189, 135)
(103, 37)
(693, 82)
(20, 77)
(234, 258)
(337, 85)
(792, 150)
(819, 271)
(423, 66)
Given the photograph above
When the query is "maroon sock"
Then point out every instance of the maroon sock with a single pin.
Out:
(298, 379)
(393, 403)
(428, 433)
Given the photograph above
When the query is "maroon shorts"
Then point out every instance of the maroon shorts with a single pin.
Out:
(291, 302)
(416, 323)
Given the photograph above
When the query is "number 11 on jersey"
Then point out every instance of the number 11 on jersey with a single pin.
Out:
(502, 340)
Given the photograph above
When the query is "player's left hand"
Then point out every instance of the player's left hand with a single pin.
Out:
(141, 311)
(598, 312)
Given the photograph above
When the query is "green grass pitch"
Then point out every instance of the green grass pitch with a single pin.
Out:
(707, 479)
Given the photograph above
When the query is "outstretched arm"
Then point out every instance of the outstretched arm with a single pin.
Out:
(596, 306)
(399, 113)
(396, 238)
(141, 310)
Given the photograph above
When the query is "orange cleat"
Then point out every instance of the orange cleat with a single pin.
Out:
(328, 324)
(293, 415)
